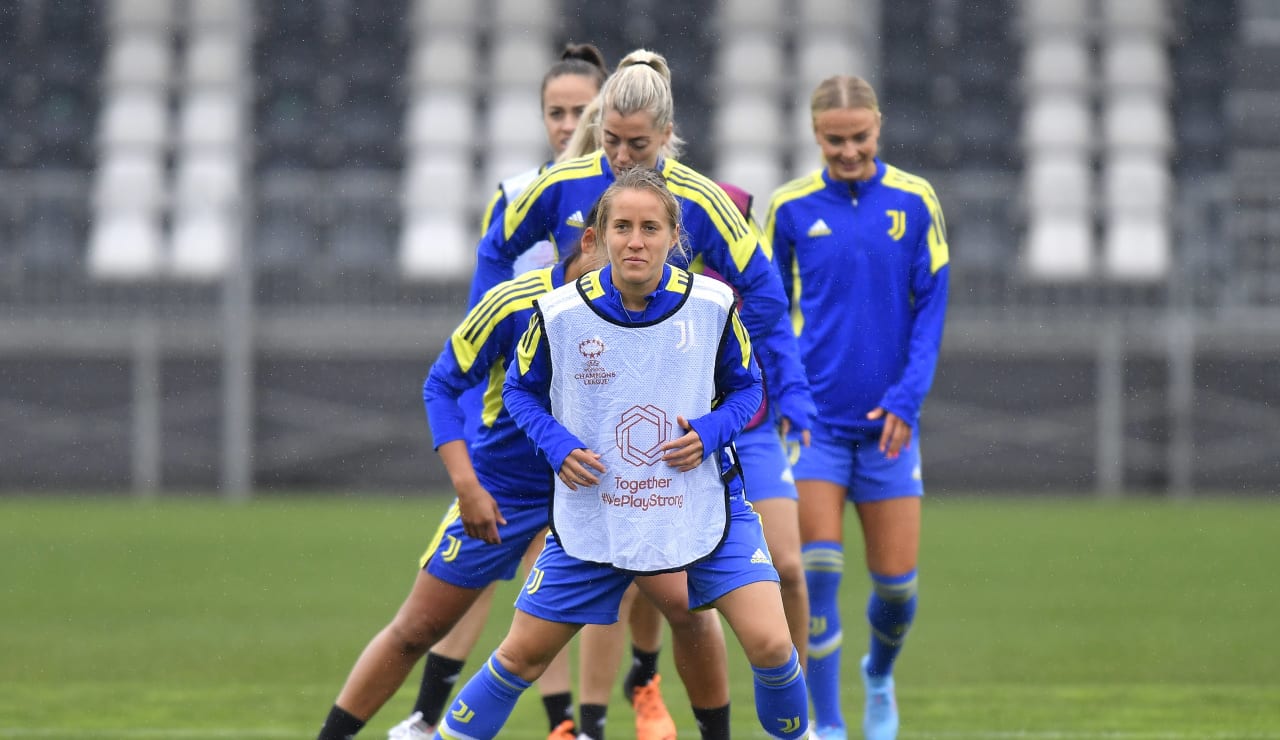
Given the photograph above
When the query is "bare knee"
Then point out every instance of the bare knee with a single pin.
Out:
(769, 651)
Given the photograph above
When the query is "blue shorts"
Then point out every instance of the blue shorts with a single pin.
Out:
(861, 467)
(765, 468)
(564, 589)
(464, 561)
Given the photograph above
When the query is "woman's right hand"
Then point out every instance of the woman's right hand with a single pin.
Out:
(580, 468)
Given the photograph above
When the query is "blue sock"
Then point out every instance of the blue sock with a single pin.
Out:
(782, 701)
(823, 569)
(484, 704)
(890, 610)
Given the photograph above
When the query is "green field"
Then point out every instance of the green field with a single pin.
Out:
(1058, 619)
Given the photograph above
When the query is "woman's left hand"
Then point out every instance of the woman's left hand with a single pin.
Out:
(684, 453)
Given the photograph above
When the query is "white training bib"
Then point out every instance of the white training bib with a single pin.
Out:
(620, 388)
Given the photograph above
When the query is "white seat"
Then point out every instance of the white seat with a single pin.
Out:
(1056, 15)
(1151, 16)
(748, 120)
(514, 118)
(751, 60)
(532, 15)
(220, 14)
(142, 13)
(442, 180)
(520, 59)
(1134, 120)
(1058, 61)
(1057, 121)
(208, 176)
(830, 14)
(740, 15)
(436, 246)
(442, 118)
(211, 117)
(139, 57)
(125, 244)
(129, 178)
(758, 173)
(1136, 61)
(443, 58)
(824, 53)
(428, 15)
(1059, 248)
(1058, 183)
(1137, 247)
(1137, 183)
(503, 162)
(204, 239)
(134, 117)
(216, 58)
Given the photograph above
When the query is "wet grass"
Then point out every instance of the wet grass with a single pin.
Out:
(1038, 619)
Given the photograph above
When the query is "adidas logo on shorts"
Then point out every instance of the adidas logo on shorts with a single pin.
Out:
(759, 558)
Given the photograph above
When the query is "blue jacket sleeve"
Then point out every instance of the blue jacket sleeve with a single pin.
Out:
(745, 265)
(527, 396)
(929, 289)
(448, 379)
(739, 386)
(508, 237)
(786, 384)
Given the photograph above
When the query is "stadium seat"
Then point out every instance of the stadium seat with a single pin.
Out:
(820, 53)
(443, 58)
(1137, 121)
(210, 117)
(1149, 16)
(749, 120)
(1136, 182)
(1135, 61)
(757, 172)
(204, 240)
(1059, 248)
(235, 15)
(513, 117)
(538, 17)
(816, 15)
(217, 59)
(518, 60)
(1057, 61)
(1055, 15)
(125, 244)
(140, 57)
(436, 15)
(1059, 183)
(208, 176)
(134, 118)
(436, 246)
(751, 60)
(1137, 247)
(129, 178)
(441, 180)
(1057, 121)
(738, 16)
(442, 118)
(136, 14)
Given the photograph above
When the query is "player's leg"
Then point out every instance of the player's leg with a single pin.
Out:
(600, 648)
(740, 581)
(698, 649)
(559, 595)
(780, 518)
(887, 494)
(646, 623)
(554, 684)
(822, 472)
(426, 615)
(443, 669)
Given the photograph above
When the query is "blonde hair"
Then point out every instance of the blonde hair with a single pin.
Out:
(647, 180)
(843, 91)
(642, 82)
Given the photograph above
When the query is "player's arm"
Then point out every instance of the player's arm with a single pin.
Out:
(521, 226)
(785, 380)
(735, 251)
(738, 386)
(930, 279)
(527, 396)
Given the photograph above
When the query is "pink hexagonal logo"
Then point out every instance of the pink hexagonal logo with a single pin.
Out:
(641, 432)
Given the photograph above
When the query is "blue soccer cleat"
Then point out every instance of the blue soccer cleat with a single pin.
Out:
(880, 718)
(829, 732)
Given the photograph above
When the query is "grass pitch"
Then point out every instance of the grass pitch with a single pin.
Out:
(1038, 619)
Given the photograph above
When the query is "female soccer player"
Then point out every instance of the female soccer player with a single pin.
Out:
(864, 247)
(567, 88)
(647, 480)
(502, 487)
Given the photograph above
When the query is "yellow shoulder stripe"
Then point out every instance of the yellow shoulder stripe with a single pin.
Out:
(689, 185)
(501, 301)
(939, 253)
(529, 343)
(797, 188)
(570, 169)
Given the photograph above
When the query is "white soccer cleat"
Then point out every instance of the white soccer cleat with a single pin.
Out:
(413, 728)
